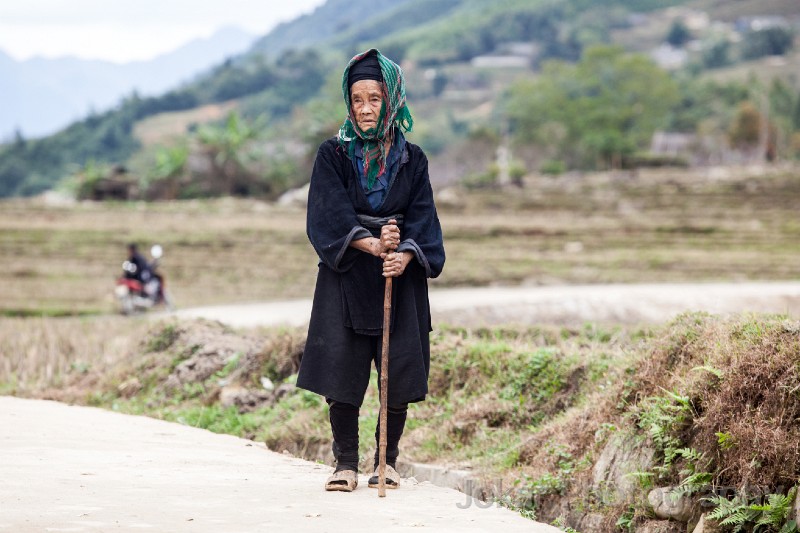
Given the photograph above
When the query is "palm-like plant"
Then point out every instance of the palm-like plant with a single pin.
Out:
(225, 146)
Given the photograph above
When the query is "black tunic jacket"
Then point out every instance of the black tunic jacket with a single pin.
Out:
(347, 315)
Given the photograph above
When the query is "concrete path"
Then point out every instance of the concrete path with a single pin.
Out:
(80, 469)
(565, 304)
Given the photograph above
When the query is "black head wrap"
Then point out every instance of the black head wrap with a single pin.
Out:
(367, 69)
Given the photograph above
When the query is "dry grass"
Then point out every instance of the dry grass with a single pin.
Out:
(755, 402)
(38, 354)
(655, 226)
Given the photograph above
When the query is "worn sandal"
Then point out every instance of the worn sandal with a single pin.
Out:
(392, 479)
(343, 480)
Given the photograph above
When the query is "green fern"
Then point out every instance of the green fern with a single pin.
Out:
(695, 479)
(626, 520)
(710, 369)
(691, 455)
(644, 479)
(692, 484)
(775, 512)
(735, 512)
(663, 417)
(725, 440)
(741, 512)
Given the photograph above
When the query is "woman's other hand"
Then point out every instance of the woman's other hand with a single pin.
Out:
(394, 264)
(390, 236)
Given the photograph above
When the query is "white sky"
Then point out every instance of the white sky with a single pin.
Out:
(126, 30)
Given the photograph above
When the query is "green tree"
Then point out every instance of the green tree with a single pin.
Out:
(13, 173)
(773, 41)
(781, 109)
(606, 107)
(796, 113)
(716, 53)
(19, 142)
(678, 34)
(706, 100)
(745, 131)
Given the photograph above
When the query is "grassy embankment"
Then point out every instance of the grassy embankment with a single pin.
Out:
(668, 225)
(534, 407)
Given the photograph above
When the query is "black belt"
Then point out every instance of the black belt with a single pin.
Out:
(378, 222)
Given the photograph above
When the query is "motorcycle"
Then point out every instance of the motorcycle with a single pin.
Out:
(142, 292)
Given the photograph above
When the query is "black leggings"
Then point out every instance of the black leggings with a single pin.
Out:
(344, 426)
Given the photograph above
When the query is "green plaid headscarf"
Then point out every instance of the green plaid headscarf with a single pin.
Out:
(394, 112)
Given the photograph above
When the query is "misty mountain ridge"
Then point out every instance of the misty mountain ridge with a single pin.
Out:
(333, 18)
(43, 95)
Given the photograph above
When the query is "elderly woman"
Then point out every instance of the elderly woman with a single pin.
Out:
(370, 216)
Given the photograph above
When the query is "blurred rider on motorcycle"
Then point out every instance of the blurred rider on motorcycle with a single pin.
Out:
(137, 267)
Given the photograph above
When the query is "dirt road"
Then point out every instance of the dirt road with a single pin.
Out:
(572, 304)
(80, 469)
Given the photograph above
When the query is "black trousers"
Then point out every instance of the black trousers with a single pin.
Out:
(344, 426)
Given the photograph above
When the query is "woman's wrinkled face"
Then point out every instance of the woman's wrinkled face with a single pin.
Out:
(366, 99)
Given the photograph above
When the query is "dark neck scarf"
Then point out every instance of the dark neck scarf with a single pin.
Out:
(380, 188)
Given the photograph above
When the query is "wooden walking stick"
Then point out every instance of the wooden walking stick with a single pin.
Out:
(387, 314)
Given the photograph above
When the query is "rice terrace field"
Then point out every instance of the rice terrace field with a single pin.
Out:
(666, 225)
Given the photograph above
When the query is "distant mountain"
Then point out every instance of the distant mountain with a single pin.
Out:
(332, 18)
(41, 96)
